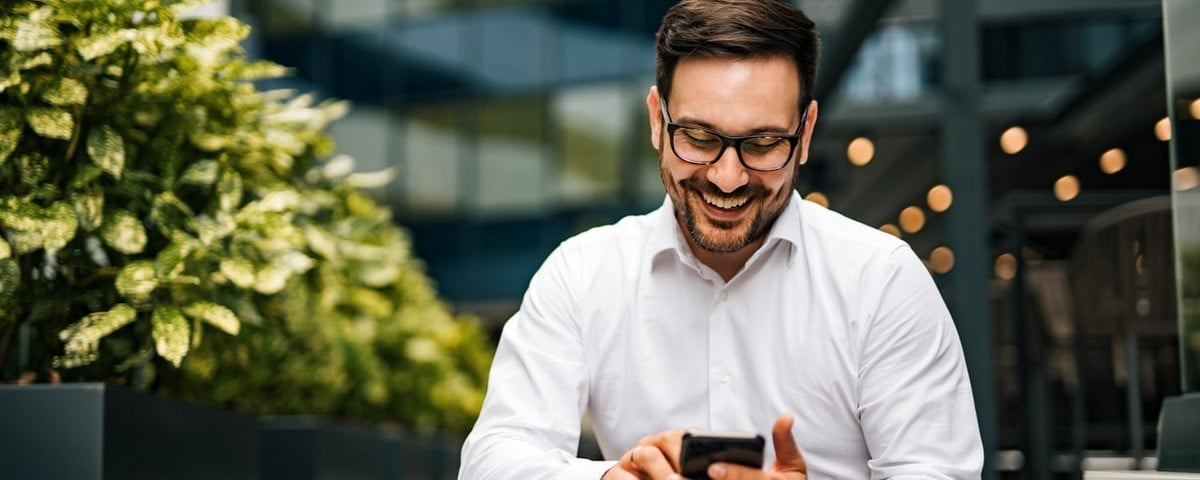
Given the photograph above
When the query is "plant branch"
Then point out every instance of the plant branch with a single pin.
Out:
(75, 135)
(5, 342)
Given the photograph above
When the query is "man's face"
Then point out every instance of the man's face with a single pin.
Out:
(725, 207)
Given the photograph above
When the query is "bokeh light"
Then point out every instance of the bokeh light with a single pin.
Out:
(1006, 266)
(1112, 161)
(1013, 140)
(939, 198)
(860, 151)
(818, 198)
(1066, 188)
(1162, 129)
(1186, 178)
(941, 259)
(912, 219)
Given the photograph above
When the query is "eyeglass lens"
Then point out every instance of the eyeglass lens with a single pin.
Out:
(699, 146)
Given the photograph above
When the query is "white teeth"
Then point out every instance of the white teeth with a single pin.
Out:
(725, 203)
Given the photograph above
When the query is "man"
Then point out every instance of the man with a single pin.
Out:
(734, 306)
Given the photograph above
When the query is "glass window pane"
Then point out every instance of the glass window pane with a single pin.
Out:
(363, 134)
(433, 153)
(513, 164)
(591, 122)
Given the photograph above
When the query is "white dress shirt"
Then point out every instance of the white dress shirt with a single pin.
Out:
(831, 321)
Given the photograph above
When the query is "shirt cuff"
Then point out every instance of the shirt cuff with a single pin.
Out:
(582, 469)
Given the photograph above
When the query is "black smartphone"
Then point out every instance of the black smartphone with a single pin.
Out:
(702, 448)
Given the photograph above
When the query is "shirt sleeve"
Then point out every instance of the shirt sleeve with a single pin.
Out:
(915, 402)
(537, 390)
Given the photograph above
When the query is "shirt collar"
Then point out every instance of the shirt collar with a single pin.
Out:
(666, 235)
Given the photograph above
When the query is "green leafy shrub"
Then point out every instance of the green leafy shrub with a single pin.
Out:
(167, 224)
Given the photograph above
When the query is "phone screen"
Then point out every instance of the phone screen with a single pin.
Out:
(700, 449)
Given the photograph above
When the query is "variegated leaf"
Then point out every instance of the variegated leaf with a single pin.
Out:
(34, 167)
(36, 32)
(209, 230)
(260, 70)
(238, 271)
(93, 47)
(84, 175)
(50, 122)
(39, 60)
(136, 281)
(5, 250)
(272, 279)
(169, 212)
(321, 242)
(370, 180)
(216, 315)
(229, 190)
(203, 172)
(11, 125)
(66, 91)
(83, 337)
(59, 227)
(123, 232)
(89, 208)
(107, 150)
(170, 261)
(171, 334)
(9, 79)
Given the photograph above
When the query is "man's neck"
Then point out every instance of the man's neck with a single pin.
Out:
(725, 264)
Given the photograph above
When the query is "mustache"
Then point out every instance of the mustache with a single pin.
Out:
(703, 186)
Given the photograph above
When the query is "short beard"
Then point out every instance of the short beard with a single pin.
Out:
(759, 225)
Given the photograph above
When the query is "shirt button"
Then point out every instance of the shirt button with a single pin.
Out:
(724, 379)
(724, 295)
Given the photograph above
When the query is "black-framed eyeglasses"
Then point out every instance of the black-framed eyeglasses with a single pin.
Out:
(704, 146)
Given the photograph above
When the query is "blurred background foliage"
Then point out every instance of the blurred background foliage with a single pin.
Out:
(167, 225)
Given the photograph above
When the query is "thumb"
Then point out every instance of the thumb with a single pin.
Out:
(787, 453)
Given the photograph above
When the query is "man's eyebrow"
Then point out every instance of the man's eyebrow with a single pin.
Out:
(762, 129)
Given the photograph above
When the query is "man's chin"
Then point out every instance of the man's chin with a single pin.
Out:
(720, 237)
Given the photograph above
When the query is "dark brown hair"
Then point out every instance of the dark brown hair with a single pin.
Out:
(736, 29)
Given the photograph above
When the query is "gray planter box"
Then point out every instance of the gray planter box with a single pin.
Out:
(1179, 434)
(305, 448)
(94, 431)
(405, 456)
(310, 448)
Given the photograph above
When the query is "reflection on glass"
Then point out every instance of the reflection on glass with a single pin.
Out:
(1183, 87)
(431, 172)
(513, 165)
(591, 122)
(363, 135)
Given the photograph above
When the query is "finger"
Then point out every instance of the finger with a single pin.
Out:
(651, 461)
(668, 442)
(733, 471)
(620, 473)
(787, 454)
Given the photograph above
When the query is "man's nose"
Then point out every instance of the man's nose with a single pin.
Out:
(728, 173)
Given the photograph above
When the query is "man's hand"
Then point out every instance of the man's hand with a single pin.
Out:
(655, 457)
(789, 463)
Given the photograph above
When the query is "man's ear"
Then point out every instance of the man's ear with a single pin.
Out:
(806, 136)
(656, 121)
